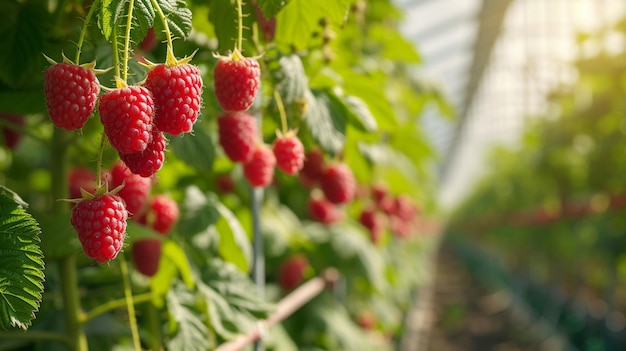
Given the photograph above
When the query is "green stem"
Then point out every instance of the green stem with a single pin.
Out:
(115, 304)
(99, 164)
(130, 306)
(154, 326)
(116, 57)
(170, 60)
(281, 112)
(67, 265)
(36, 334)
(71, 302)
(83, 31)
(239, 26)
(129, 23)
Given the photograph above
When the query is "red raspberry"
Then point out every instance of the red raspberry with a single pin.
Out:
(101, 226)
(161, 214)
(405, 208)
(338, 183)
(375, 224)
(379, 192)
(266, 25)
(400, 228)
(237, 80)
(237, 135)
(11, 137)
(366, 320)
(323, 211)
(177, 93)
(289, 153)
(127, 115)
(136, 189)
(224, 183)
(291, 272)
(259, 170)
(313, 167)
(71, 93)
(146, 256)
(149, 161)
(149, 42)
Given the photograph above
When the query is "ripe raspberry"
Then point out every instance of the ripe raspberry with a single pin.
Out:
(291, 272)
(11, 137)
(338, 183)
(405, 208)
(313, 167)
(177, 93)
(321, 210)
(289, 153)
(149, 161)
(161, 214)
(379, 192)
(149, 42)
(237, 80)
(374, 222)
(400, 228)
(71, 92)
(146, 256)
(224, 183)
(101, 226)
(127, 115)
(136, 188)
(237, 135)
(259, 170)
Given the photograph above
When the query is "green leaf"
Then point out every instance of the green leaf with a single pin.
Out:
(299, 19)
(291, 79)
(326, 120)
(234, 245)
(23, 29)
(233, 303)
(178, 18)
(271, 7)
(21, 264)
(223, 15)
(393, 45)
(113, 18)
(196, 150)
(355, 109)
(190, 332)
(173, 264)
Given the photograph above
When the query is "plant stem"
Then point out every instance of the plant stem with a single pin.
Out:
(281, 112)
(67, 265)
(116, 57)
(83, 31)
(114, 304)
(129, 23)
(168, 34)
(154, 325)
(130, 306)
(99, 164)
(239, 46)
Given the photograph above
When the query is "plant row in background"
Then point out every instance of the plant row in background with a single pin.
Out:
(150, 143)
(552, 208)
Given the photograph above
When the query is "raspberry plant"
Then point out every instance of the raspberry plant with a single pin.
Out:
(165, 123)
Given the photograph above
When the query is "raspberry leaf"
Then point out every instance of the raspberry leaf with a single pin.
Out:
(299, 19)
(185, 319)
(234, 245)
(223, 15)
(232, 302)
(178, 18)
(326, 120)
(197, 151)
(21, 263)
(114, 13)
(291, 80)
(173, 264)
(272, 7)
